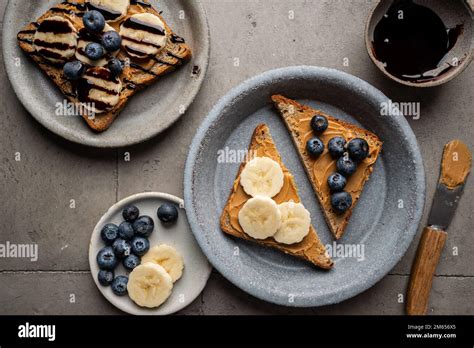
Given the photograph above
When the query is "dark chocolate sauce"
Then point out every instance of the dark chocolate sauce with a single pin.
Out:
(140, 42)
(176, 39)
(54, 45)
(108, 15)
(50, 54)
(140, 3)
(54, 26)
(412, 41)
(136, 24)
(139, 67)
(85, 85)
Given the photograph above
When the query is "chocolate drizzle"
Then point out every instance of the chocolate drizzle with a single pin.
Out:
(140, 3)
(177, 39)
(108, 14)
(55, 26)
(139, 67)
(133, 23)
(54, 45)
(85, 86)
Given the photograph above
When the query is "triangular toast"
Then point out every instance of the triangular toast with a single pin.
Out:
(297, 119)
(135, 76)
(310, 248)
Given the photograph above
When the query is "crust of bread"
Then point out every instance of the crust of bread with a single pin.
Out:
(172, 56)
(309, 249)
(337, 229)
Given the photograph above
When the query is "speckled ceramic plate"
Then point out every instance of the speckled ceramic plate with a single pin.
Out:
(196, 267)
(147, 114)
(385, 218)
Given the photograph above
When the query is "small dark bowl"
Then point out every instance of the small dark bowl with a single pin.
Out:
(452, 13)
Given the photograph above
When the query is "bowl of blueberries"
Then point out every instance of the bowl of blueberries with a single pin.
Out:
(127, 231)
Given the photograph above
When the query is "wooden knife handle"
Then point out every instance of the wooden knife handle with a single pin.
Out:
(427, 257)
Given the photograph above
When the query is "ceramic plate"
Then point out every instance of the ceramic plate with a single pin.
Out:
(147, 114)
(383, 223)
(196, 268)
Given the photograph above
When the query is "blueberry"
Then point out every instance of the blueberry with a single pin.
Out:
(143, 226)
(319, 123)
(116, 66)
(341, 201)
(126, 230)
(336, 182)
(346, 166)
(131, 261)
(106, 258)
(130, 213)
(111, 41)
(140, 246)
(94, 21)
(94, 51)
(73, 70)
(121, 248)
(336, 146)
(358, 149)
(167, 213)
(119, 285)
(314, 147)
(109, 233)
(105, 277)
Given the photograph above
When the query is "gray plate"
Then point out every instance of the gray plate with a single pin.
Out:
(147, 114)
(384, 221)
(196, 267)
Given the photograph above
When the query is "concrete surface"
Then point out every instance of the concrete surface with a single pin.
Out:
(36, 192)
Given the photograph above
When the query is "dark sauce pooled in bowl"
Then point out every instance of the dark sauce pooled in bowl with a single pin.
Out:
(412, 42)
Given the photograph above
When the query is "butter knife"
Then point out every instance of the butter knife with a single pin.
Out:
(455, 167)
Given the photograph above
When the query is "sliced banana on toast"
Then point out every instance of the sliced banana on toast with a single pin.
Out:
(295, 223)
(113, 10)
(262, 176)
(260, 217)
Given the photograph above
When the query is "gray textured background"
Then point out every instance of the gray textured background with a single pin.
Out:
(36, 191)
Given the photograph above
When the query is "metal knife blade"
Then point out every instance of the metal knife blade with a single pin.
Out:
(444, 206)
(455, 167)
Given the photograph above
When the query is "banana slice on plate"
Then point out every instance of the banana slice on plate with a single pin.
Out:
(167, 257)
(260, 217)
(113, 10)
(262, 176)
(143, 35)
(149, 285)
(56, 39)
(295, 223)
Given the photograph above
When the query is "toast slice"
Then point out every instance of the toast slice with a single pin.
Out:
(297, 119)
(137, 73)
(310, 248)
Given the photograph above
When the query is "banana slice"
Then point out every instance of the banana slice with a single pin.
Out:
(295, 223)
(149, 285)
(99, 90)
(56, 39)
(113, 10)
(260, 217)
(143, 35)
(262, 176)
(167, 257)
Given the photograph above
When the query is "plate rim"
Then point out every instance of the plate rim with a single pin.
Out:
(96, 230)
(68, 134)
(194, 150)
